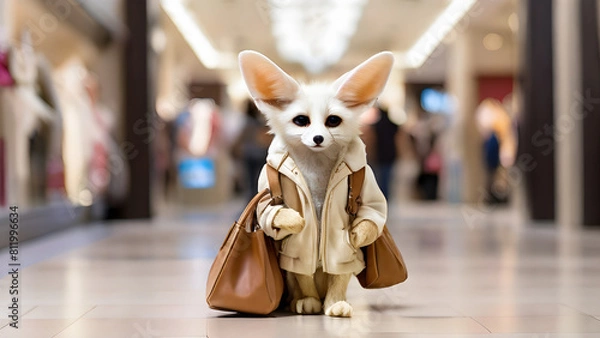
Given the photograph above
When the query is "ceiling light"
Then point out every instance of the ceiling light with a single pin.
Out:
(314, 33)
(493, 42)
(195, 37)
(158, 40)
(513, 22)
(416, 56)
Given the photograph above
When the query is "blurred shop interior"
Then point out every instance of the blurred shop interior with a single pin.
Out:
(127, 109)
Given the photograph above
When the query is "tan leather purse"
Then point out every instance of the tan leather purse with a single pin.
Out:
(245, 275)
(385, 266)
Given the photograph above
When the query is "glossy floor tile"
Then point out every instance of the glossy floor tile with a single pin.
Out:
(472, 273)
(29, 328)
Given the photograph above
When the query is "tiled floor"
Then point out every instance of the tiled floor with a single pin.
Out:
(472, 273)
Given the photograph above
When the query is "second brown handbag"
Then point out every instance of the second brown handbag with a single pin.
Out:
(384, 265)
(245, 275)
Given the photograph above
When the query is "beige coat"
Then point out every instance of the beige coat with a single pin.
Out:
(301, 253)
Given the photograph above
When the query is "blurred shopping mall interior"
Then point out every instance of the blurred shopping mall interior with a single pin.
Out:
(129, 145)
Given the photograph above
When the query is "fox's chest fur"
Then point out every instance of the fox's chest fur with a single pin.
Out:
(316, 169)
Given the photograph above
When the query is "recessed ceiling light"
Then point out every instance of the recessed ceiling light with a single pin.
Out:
(416, 56)
(493, 42)
(158, 39)
(209, 56)
(513, 22)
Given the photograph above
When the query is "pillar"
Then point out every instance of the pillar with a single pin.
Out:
(590, 84)
(536, 126)
(567, 114)
(461, 83)
(138, 132)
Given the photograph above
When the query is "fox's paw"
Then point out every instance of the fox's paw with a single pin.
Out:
(339, 309)
(288, 220)
(306, 306)
(364, 233)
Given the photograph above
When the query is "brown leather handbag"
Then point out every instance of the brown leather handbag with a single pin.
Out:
(245, 275)
(385, 266)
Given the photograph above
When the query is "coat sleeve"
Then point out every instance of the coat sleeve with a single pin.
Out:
(265, 212)
(374, 204)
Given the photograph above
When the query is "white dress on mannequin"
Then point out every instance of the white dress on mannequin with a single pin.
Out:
(80, 131)
(24, 111)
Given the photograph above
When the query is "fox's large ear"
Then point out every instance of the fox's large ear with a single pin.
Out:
(266, 81)
(364, 83)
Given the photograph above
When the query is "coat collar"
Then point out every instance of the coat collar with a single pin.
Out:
(354, 158)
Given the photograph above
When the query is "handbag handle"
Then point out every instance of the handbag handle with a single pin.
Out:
(355, 182)
(249, 212)
(274, 185)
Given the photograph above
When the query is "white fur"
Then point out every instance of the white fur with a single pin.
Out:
(282, 99)
(317, 101)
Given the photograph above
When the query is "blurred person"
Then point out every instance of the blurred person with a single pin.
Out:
(495, 126)
(424, 135)
(430, 170)
(197, 128)
(380, 138)
(251, 147)
(197, 145)
(367, 133)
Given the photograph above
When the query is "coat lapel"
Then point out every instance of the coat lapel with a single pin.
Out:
(340, 174)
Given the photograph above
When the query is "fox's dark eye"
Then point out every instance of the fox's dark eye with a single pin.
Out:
(333, 121)
(301, 120)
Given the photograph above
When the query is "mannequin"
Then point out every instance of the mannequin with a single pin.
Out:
(25, 111)
(78, 130)
(95, 167)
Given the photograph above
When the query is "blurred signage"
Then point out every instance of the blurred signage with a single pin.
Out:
(436, 101)
(197, 173)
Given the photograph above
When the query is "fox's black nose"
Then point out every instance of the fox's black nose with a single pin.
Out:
(318, 139)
